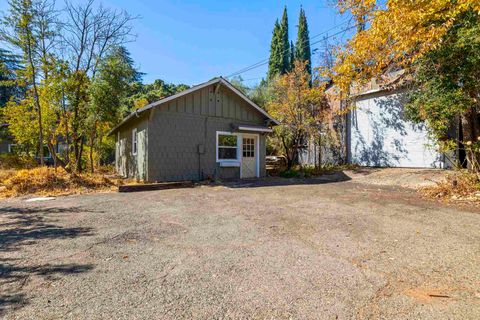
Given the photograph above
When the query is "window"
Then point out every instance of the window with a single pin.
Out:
(134, 141)
(227, 146)
(248, 148)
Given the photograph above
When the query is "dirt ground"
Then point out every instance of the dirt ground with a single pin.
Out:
(273, 249)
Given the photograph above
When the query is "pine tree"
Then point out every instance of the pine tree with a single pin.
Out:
(275, 64)
(303, 51)
(285, 43)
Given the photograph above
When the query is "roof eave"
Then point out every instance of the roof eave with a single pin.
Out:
(193, 89)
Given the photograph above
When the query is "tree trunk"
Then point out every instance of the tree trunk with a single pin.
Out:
(79, 152)
(320, 151)
(470, 134)
(67, 133)
(56, 160)
(91, 154)
(287, 153)
(93, 137)
(37, 100)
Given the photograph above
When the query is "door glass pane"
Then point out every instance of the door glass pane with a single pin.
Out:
(248, 147)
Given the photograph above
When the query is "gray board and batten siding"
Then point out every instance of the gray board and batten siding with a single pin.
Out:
(176, 138)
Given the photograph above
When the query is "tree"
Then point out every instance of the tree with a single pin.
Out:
(280, 56)
(398, 35)
(109, 92)
(237, 82)
(285, 43)
(52, 98)
(27, 28)
(298, 108)
(9, 65)
(275, 63)
(292, 57)
(302, 48)
(261, 94)
(89, 34)
(143, 94)
(446, 84)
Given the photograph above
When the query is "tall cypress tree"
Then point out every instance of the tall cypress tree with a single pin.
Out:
(292, 56)
(275, 65)
(285, 43)
(302, 48)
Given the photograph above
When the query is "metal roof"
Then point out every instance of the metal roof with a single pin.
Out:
(193, 89)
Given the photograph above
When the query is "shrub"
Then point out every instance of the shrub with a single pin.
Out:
(13, 161)
(45, 180)
(458, 185)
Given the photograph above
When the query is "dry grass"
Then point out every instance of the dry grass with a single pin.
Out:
(11, 161)
(5, 174)
(458, 186)
(48, 181)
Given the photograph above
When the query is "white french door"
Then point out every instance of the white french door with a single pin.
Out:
(249, 156)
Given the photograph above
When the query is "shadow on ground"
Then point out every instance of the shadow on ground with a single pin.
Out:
(28, 226)
(278, 181)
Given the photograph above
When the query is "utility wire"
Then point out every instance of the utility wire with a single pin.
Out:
(265, 61)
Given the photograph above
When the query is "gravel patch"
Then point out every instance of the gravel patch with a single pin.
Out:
(275, 249)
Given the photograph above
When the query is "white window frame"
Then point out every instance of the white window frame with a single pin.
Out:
(229, 162)
(134, 142)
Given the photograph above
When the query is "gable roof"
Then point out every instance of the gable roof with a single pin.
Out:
(219, 80)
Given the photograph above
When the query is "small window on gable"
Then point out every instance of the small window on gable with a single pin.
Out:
(227, 147)
(134, 142)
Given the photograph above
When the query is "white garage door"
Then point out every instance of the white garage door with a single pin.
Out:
(381, 137)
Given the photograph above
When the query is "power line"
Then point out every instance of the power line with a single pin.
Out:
(265, 61)
(262, 62)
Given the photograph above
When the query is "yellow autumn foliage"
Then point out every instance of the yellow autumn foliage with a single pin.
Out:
(397, 34)
(50, 181)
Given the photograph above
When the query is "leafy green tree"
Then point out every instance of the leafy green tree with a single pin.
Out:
(52, 99)
(237, 82)
(446, 87)
(302, 48)
(27, 28)
(262, 93)
(148, 93)
(90, 32)
(109, 92)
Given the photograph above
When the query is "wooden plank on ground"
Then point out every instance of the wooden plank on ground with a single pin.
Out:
(155, 186)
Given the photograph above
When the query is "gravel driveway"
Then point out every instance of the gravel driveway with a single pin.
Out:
(265, 250)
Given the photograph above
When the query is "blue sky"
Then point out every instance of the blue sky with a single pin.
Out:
(193, 41)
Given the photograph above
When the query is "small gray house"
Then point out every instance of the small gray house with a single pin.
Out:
(209, 131)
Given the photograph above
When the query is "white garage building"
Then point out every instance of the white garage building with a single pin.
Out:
(378, 135)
